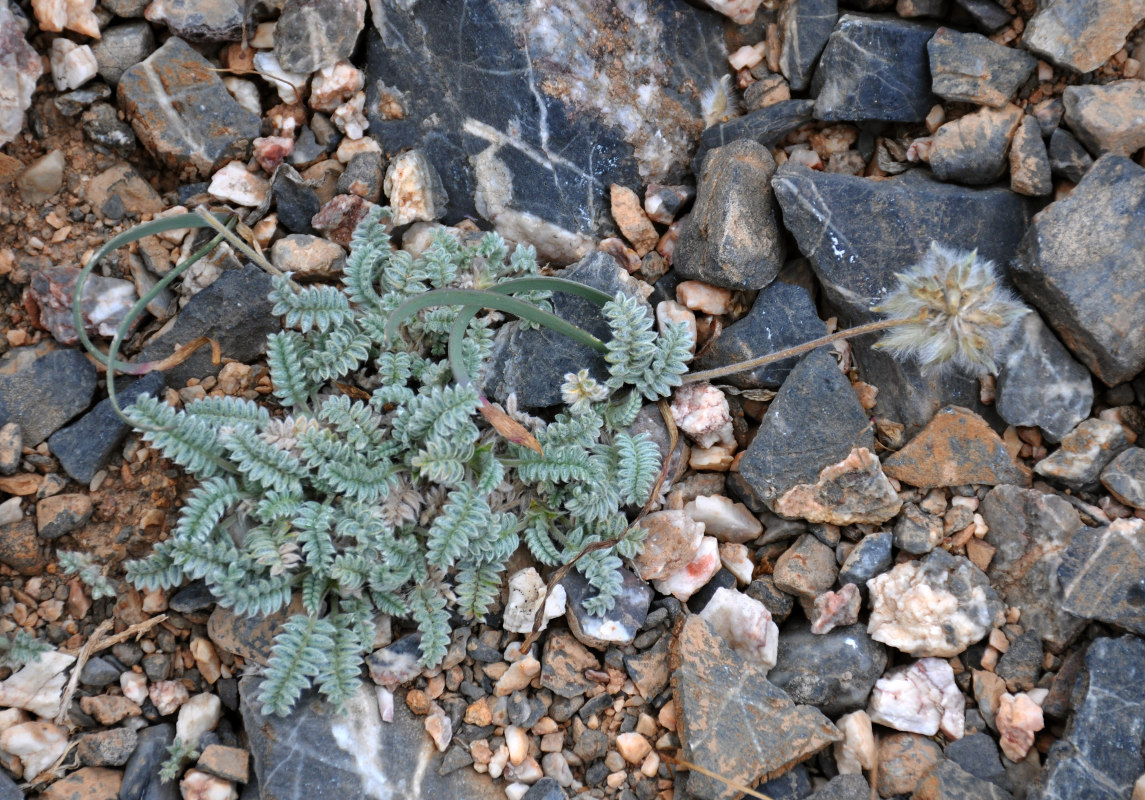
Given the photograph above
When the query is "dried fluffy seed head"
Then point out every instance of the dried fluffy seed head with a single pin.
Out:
(580, 390)
(960, 316)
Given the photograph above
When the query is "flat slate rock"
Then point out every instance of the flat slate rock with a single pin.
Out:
(782, 316)
(1081, 34)
(969, 68)
(732, 719)
(732, 238)
(1030, 532)
(141, 779)
(531, 120)
(834, 671)
(183, 114)
(766, 126)
(1103, 574)
(973, 149)
(1107, 118)
(1082, 263)
(874, 68)
(955, 448)
(42, 387)
(1124, 477)
(806, 26)
(314, 752)
(1103, 751)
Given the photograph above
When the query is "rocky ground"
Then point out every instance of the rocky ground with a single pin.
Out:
(864, 580)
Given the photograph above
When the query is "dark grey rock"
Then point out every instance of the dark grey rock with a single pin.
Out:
(916, 531)
(1080, 34)
(1101, 754)
(651, 422)
(977, 753)
(723, 579)
(1082, 263)
(363, 177)
(1030, 532)
(314, 752)
(806, 25)
(312, 34)
(987, 14)
(526, 98)
(871, 556)
(157, 666)
(590, 745)
(874, 68)
(141, 779)
(814, 421)
(192, 598)
(306, 148)
(1124, 477)
(1030, 172)
(103, 127)
(99, 671)
(844, 787)
(1107, 118)
(732, 237)
(85, 446)
(74, 102)
(127, 653)
(973, 149)
(545, 789)
(201, 20)
(767, 126)
(795, 784)
(1102, 574)
(1084, 453)
(454, 759)
(9, 789)
(969, 68)
(533, 363)
(834, 671)
(295, 202)
(1067, 157)
(1040, 384)
(234, 311)
(121, 47)
(948, 781)
(43, 387)
(778, 603)
(110, 748)
(619, 625)
(1021, 665)
(126, 8)
(175, 79)
(782, 316)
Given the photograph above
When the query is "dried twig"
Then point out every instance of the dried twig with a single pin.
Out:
(680, 762)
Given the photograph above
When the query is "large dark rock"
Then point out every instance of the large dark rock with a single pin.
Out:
(234, 311)
(1067, 157)
(782, 316)
(767, 126)
(183, 114)
(1102, 574)
(833, 672)
(531, 111)
(973, 149)
(85, 446)
(314, 752)
(1082, 263)
(732, 237)
(969, 68)
(141, 779)
(1080, 34)
(806, 26)
(1107, 118)
(533, 362)
(312, 34)
(1103, 751)
(874, 68)
(43, 387)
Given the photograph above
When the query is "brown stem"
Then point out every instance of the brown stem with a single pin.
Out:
(797, 350)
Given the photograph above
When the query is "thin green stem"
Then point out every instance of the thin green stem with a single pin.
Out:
(234, 240)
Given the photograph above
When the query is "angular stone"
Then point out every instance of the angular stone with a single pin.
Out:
(672, 541)
(295, 202)
(986, 14)
(977, 753)
(871, 556)
(525, 98)
(62, 513)
(955, 448)
(533, 363)
(103, 127)
(834, 671)
(20, 68)
(619, 625)
(563, 665)
(21, 549)
(1101, 754)
(364, 177)
(1040, 384)
(874, 68)
(782, 316)
(969, 68)
(806, 25)
(86, 783)
(649, 670)
(1084, 453)
(339, 217)
(141, 779)
(1124, 477)
(229, 763)
(806, 568)
(200, 20)
(1030, 532)
(1067, 157)
(844, 787)
(121, 185)
(1081, 34)
(1021, 665)
(916, 531)
(919, 698)
(183, 114)
(732, 720)
(1082, 263)
(1030, 172)
(1109, 118)
(110, 748)
(732, 238)
(308, 256)
(312, 34)
(122, 47)
(948, 781)
(1102, 574)
(43, 387)
(904, 758)
(972, 149)
(767, 126)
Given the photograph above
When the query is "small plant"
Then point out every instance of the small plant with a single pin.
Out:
(82, 565)
(178, 754)
(20, 649)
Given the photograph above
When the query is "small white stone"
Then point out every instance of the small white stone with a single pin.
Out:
(701, 411)
(198, 715)
(414, 189)
(73, 65)
(283, 82)
(736, 559)
(528, 771)
(75, 15)
(10, 511)
(167, 696)
(920, 698)
(1019, 717)
(556, 766)
(349, 118)
(199, 785)
(835, 609)
(134, 686)
(498, 761)
(39, 686)
(385, 703)
(263, 38)
(672, 541)
(696, 574)
(742, 12)
(519, 675)
(746, 624)
(526, 593)
(748, 56)
(245, 93)
(858, 750)
(515, 791)
(632, 747)
(349, 148)
(37, 744)
(671, 311)
(703, 297)
(334, 85)
(439, 727)
(518, 742)
(724, 519)
(235, 184)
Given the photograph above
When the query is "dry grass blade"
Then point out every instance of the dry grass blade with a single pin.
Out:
(680, 762)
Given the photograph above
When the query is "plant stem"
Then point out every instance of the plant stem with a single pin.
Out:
(797, 350)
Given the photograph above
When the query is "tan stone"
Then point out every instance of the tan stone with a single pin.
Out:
(633, 223)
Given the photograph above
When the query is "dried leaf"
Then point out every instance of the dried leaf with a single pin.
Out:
(508, 427)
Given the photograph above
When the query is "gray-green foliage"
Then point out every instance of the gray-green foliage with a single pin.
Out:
(20, 648)
(91, 573)
(397, 496)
